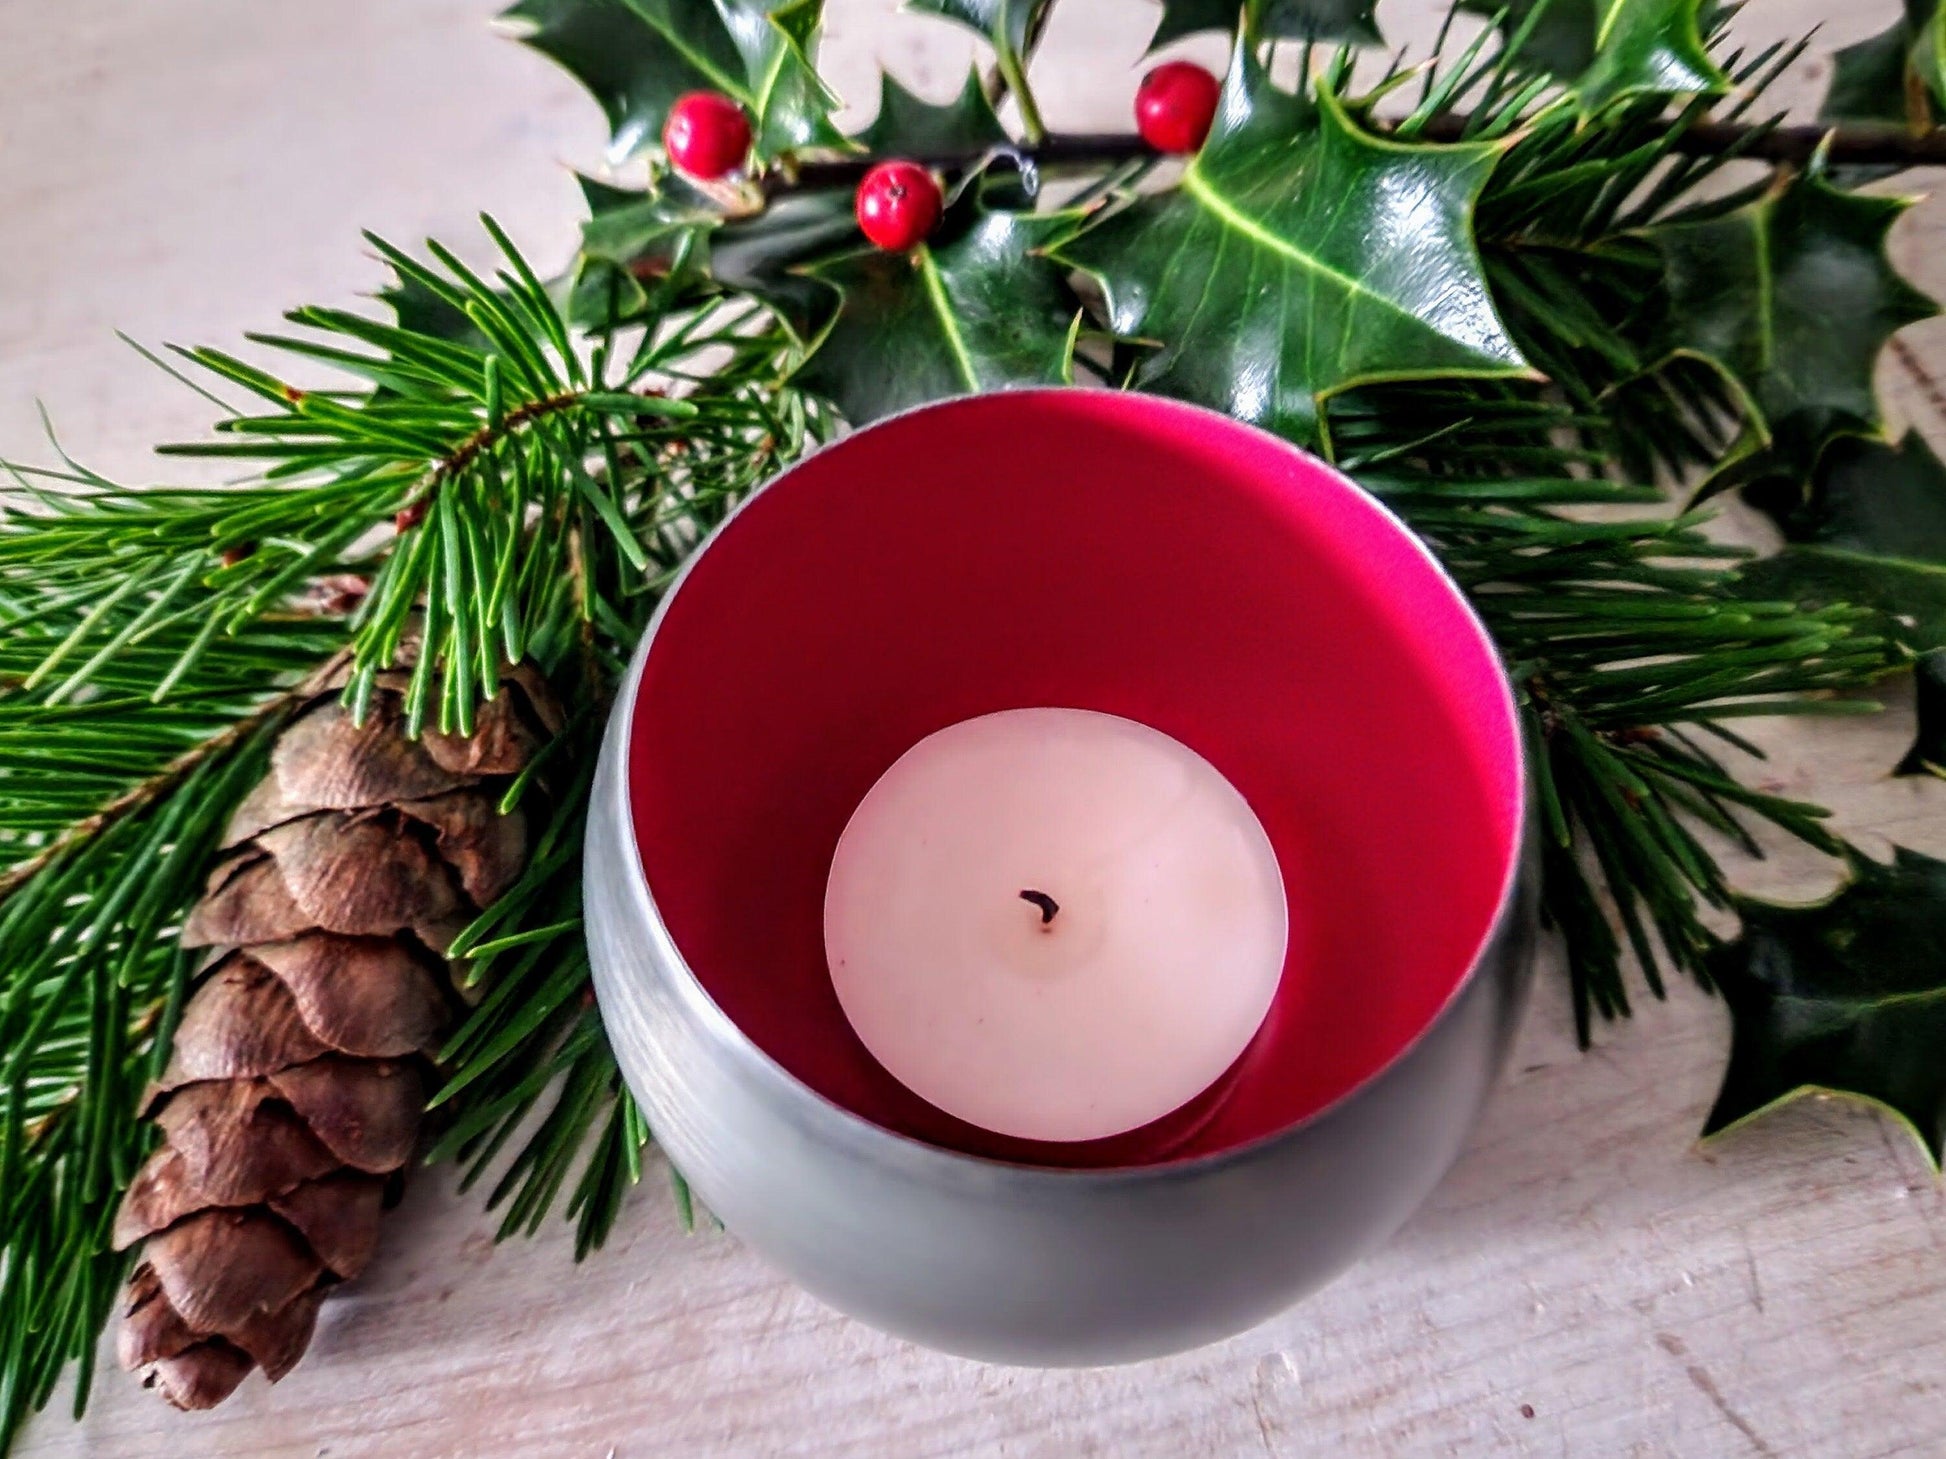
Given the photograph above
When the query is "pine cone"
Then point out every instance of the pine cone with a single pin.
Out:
(293, 1096)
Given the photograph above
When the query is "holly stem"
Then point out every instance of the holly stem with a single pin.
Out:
(1866, 146)
(1015, 75)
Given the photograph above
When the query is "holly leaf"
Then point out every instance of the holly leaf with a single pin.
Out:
(1846, 996)
(1561, 41)
(1300, 256)
(1277, 20)
(1874, 79)
(1647, 48)
(1928, 753)
(999, 22)
(675, 235)
(978, 308)
(1791, 296)
(643, 231)
(635, 241)
(909, 125)
(418, 310)
(763, 254)
(1929, 54)
(635, 57)
(1868, 79)
(1609, 50)
(1870, 530)
(789, 99)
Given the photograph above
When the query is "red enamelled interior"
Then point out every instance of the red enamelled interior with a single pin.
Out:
(1101, 551)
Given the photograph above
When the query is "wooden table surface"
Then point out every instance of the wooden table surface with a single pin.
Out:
(1588, 1281)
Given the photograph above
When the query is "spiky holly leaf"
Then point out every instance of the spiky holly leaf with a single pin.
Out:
(761, 254)
(675, 234)
(643, 231)
(1846, 996)
(1868, 79)
(1000, 22)
(978, 308)
(912, 126)
(1928, 753)
(1873, 80)
(779, 46)
(1608, 50)
(419, 310)
(637, 56)
(1648, 48)
(1929, 55)
(1870, 530)
(1297, 20)
(1561, 41)
(1792, 297)
(1301, 255)
(634, 240)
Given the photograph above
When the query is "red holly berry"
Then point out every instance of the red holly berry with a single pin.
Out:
(898, 204)
(707, 135)
(1175, 105)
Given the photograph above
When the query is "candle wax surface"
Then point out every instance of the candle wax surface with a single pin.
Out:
(1135, 972)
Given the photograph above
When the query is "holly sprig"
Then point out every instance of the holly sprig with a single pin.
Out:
(1505, 288)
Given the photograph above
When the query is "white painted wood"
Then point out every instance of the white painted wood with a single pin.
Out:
(1588, 1281)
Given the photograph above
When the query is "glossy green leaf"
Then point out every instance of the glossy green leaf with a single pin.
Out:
(1871, 530)
(1928, 753)
(1608, 50)
(637, 56)
(1929, 55)
(634, 59)
(1868, 79)
(998, 21)
(1561, 42)
(1295, 20)
(1792, 297)
(978, 308)
(765, 254)
(1874, 79)
(643, 230)
(1300, 256)
(1648, 48)
(635, 239)
(910, 125)
(1846, 996)
(779, 48)
(417, 309)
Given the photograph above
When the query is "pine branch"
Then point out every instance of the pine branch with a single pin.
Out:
(167, 781)
(1627, 642)
(493, 485)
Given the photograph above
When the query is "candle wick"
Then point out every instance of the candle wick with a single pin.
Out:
(1046, 903)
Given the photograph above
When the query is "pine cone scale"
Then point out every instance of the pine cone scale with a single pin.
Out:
(365, 996)
(221, 1268)
(366, 1112)
(242, 1023)
(338, 1216)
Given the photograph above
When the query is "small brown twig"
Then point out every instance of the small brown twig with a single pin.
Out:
(1864, 146)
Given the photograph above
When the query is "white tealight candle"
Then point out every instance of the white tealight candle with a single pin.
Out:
(1055, 924)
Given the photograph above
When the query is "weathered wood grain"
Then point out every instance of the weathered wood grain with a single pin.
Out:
(1588, 1282)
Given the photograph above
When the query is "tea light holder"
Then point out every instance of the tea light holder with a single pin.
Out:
(1091, 550)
